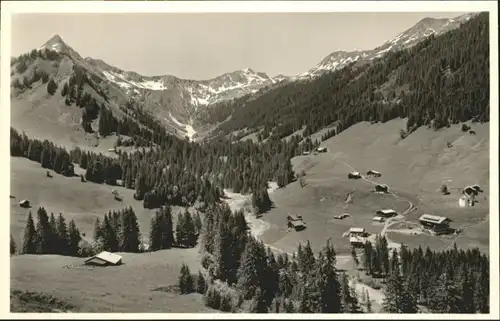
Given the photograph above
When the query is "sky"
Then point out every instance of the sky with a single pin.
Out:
(205, 45)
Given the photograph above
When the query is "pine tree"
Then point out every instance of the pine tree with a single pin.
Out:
(251, 273)
(189, 230)
(13, 246)
(186, 282)
(43, 232)
(74, 238)
(129, 236)
(305, 258)
(397, 297)
(53, 235)
(155, 232)
(258, 303)
(446, 296)
(62, 235)
(109, 236)
(327, 280)
(29, 241)
(97, 230)
(350, 302)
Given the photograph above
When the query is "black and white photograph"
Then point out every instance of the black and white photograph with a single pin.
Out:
(200, 158)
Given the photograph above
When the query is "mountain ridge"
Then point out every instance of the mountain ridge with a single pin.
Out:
(175, 101)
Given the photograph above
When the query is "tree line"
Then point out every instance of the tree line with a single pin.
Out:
(50, 235)
(178, 172)
(451, 281)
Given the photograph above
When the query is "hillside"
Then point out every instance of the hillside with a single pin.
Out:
(419, 83)
(165, 99)
(184, 107)
(414, 169)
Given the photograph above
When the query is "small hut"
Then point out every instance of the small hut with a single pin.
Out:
(387, 213)
(381, 188)
(24, 203)
(373, 173)
(296, 223)
(104, 259)
(354, 175)
(321, 150)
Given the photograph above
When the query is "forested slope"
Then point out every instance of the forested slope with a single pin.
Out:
(442, 80)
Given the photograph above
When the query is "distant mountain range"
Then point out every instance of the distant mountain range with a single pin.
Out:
(174, 100)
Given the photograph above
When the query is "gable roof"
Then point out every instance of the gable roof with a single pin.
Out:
(356, 230)
(433, 219)
(356, 173)
(297, 223)
(107, 256)
(373, 171)
(386, 211)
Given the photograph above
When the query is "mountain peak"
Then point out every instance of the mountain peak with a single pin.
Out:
(55, 43)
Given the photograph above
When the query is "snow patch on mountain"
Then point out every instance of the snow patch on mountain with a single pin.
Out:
(423, 29)
(188, 128)
(123, 82)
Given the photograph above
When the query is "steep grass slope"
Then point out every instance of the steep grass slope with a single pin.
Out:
(126, 288)
(414, 168)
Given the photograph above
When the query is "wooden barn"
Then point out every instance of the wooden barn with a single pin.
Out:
(381, 188)
(357, 236)
(387, 213)
(357, 231)
(296, 223)
(354, 175)
(24, 203)
(471, 190)
(104, 259)
(435, 224)
(373, 173)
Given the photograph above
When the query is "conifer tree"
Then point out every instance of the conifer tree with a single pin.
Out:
(109, 236)
(129, 236)
(186, 282)
(446, 296)
(397, 297)
(251, 273)
(43, 232)
(74, 238)
(97, 230)
(62, 235)
(328, 285)
(53, 235)
(258, 303)
(29, 241)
